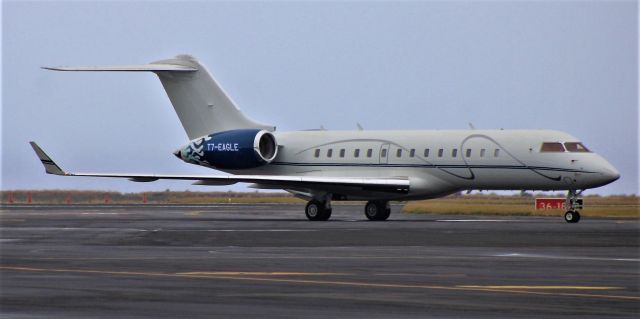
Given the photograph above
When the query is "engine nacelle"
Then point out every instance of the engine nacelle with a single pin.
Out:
(235, 149)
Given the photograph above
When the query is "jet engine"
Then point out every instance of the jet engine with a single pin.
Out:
(234, 149)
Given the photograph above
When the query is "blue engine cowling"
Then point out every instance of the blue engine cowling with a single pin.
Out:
(235, 149)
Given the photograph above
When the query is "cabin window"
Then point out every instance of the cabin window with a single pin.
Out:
(552, 147)
(342, 152)
(383, 153)
(496, 152)
(454, 152)
(426, 152)
(356, 152)
(468, 152)
(369, 152)
(576, 147)
(482, 151)
(440, 152)
(317, 153)
(399, 153)
(412, 152)
(329, 152)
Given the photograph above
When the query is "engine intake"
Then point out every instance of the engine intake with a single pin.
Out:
(235, 149)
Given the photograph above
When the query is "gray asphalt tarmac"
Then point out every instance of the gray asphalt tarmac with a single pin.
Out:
(260, 261)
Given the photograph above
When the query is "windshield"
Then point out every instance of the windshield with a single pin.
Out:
(552, 147)
(576, 147)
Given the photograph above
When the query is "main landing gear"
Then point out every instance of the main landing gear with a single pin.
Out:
(377, 210)
(573, 203)
(318, 210)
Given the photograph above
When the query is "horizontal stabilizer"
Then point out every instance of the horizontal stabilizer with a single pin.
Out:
(127, 68)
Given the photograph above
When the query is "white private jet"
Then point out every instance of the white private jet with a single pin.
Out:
(376, 166)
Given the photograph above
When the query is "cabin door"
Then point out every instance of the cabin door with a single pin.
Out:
(384, 154)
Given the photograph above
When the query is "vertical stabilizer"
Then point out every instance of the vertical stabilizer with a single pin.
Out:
(201, 104)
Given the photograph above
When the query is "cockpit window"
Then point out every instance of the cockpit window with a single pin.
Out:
(576, 147)
(552, 147)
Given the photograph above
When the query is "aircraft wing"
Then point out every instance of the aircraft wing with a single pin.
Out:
(391, 185)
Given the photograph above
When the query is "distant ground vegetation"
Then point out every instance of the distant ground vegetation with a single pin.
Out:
(474, 204)
(604, 206)
(165, 197)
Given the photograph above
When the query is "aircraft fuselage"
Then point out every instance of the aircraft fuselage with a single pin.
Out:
(439, 162)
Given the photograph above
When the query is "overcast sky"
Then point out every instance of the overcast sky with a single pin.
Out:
(567, 65)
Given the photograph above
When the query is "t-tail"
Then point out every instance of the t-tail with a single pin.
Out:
(201, 104)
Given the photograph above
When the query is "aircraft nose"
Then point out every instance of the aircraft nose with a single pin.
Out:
(608, 173)
(611, 174)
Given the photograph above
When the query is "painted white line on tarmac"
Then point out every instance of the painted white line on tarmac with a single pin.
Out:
(542, 256)
(237, 230)
(479, 220)
(9, 240)
(35, 229)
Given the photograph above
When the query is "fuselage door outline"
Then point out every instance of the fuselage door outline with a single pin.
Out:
(384, 154)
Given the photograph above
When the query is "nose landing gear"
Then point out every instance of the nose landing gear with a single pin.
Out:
(573, 203)
(572, 216)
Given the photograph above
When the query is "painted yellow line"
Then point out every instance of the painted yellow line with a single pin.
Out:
(567, 294)
(322, 282)
(544, 287)
(257, 273)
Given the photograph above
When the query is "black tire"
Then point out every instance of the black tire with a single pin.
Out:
(376, 210)
(326, 214)
(577, 216)
(387, 213)
(572, 216)
(314, 210)
(371, 210)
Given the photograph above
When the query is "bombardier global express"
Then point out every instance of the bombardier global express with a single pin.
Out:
(373, 166)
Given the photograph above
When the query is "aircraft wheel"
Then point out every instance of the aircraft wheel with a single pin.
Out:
(572, 216)
(386, 214)
(326, 214)
(315, 211)
(376, 210)
(577, 216)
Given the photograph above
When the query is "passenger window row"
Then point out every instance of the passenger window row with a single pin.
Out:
(356, 152)
(412, 152)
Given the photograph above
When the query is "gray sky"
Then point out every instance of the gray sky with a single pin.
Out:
(567, 65)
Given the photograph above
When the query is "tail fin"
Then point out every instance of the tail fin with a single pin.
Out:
(201, 104)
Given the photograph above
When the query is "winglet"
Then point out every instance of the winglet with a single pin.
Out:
(49, 165)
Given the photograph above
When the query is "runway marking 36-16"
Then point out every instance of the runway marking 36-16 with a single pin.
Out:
(274, 278)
